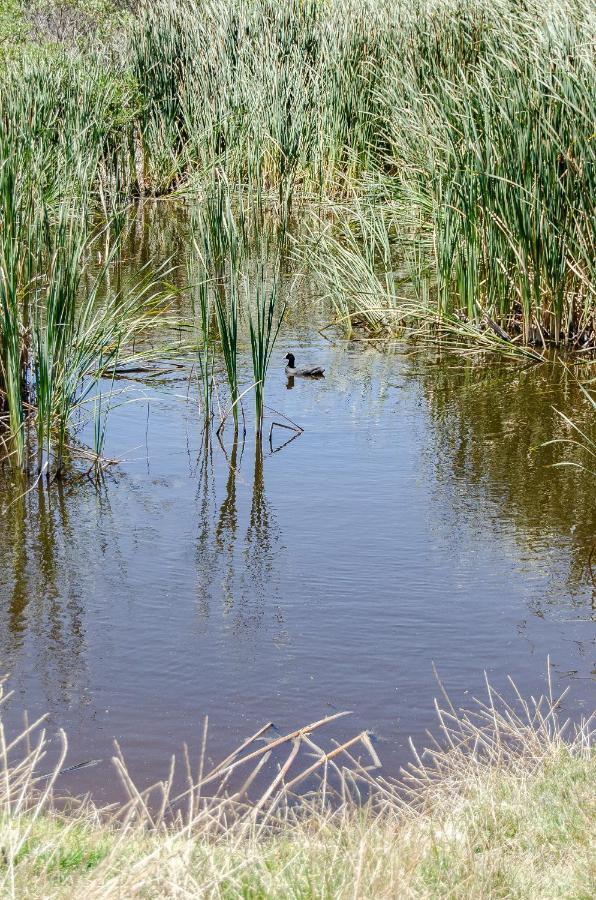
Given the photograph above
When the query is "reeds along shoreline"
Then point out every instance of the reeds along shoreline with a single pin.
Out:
(473, 122)
(498, 805)
(57, 340)
(433, 162)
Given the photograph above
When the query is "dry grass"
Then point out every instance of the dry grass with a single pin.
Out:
(501, 806)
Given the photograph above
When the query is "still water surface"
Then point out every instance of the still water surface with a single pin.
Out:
(414, 521)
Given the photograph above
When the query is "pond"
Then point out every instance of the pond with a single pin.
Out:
(416, 521)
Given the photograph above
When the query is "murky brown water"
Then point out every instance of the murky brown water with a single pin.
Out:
(414, 521)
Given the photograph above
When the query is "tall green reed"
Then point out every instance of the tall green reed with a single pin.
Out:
(265, 318)
(220, 245)
(19, 235)
(228, 235)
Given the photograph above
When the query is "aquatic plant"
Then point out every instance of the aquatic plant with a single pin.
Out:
(265, 318)
(57, 337)
(201, 305)
(80, 335)
(220, 245)
(226, 311)
(19, 236)
(227, 235)
(448, 148)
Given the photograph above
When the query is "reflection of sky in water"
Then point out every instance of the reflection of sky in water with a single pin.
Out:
(411, 523)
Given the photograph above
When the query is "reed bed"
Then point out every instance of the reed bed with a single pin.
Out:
(500, 804)
(430, 163)
(474, 122)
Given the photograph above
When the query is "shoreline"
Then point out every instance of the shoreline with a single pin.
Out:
(501, 805)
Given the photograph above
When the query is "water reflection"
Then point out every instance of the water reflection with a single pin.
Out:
(242, 567)
(227, 520)
(490, 428)
(227, 526)
(41, 601)
(261, 545)
(19, 595)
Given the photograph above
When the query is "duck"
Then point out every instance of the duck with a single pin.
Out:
(310, 372)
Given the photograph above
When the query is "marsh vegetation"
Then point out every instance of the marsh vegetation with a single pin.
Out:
(430, 165)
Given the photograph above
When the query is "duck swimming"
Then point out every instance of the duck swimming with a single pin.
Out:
(310, 372)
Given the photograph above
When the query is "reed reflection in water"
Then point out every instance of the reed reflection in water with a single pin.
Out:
(42, 608)
(492, 425)
(237, 550)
